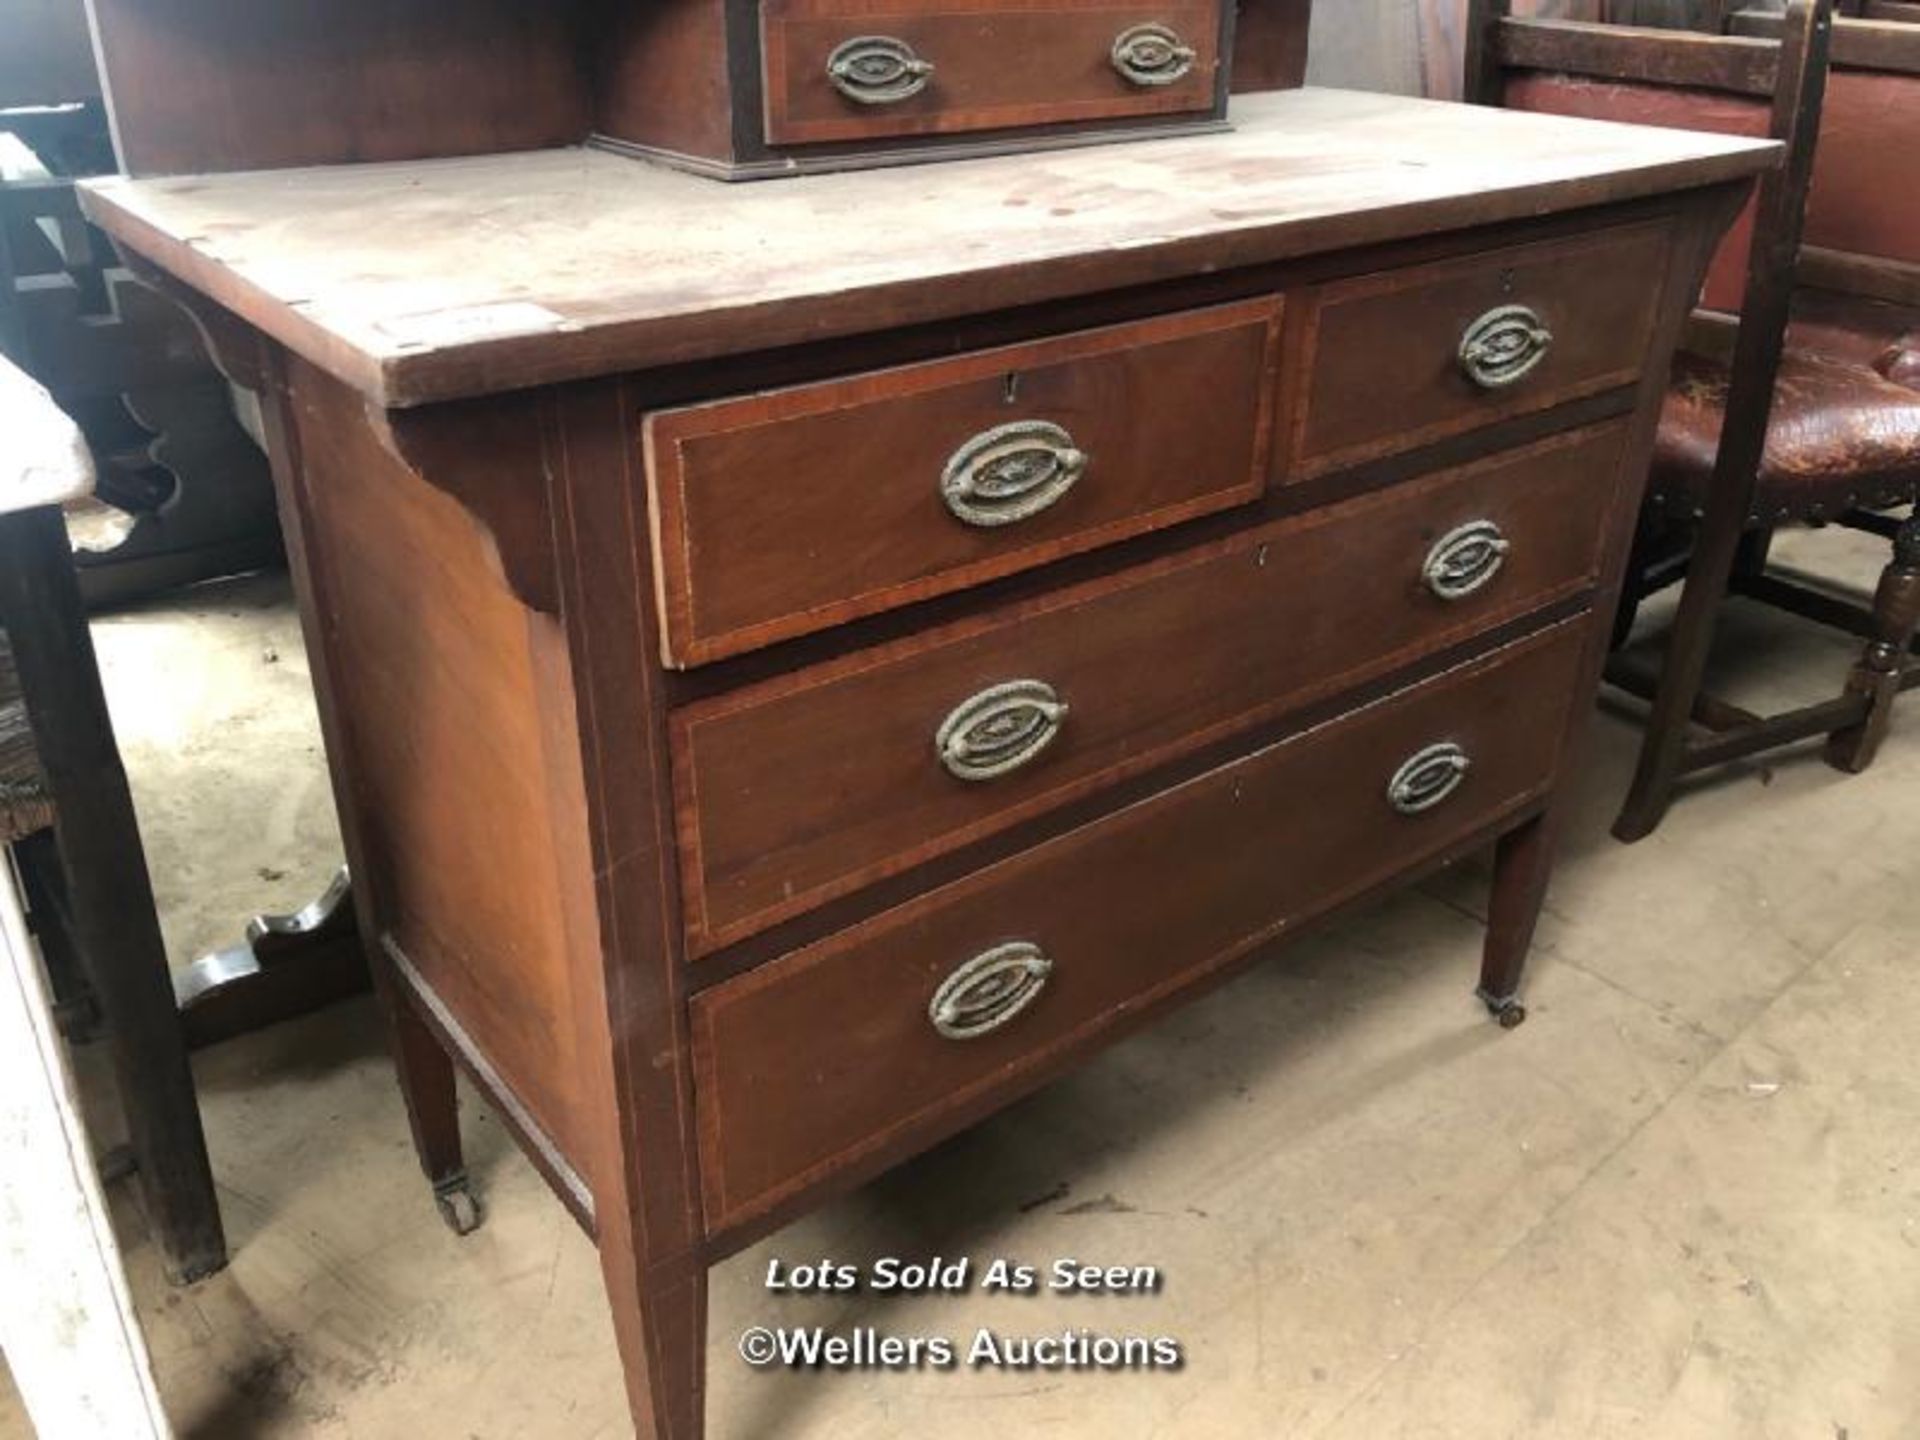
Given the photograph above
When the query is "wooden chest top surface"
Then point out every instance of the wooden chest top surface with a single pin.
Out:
(435, 280)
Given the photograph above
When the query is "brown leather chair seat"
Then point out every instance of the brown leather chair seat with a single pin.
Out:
(1845, 432)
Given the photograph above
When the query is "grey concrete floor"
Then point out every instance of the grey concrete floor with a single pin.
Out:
(1683, 1200)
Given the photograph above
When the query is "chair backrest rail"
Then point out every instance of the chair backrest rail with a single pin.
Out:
(1871, 277)
(1741, 65)
(1890, 45)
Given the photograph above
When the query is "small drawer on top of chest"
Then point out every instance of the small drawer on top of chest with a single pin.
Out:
(838, 70)
(1409, 357)
(779, 514)
(889, 1035)
(805, 787)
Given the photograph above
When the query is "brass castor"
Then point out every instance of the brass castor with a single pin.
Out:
(1507, 1011)
(457, 1205)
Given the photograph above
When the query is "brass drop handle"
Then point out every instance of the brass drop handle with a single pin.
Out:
(1466, 560)
(1152, 54)
(877, 70)
(1011, 473)
(989, 990)
(1504, 346)
(1428, 778)
(1000, 730)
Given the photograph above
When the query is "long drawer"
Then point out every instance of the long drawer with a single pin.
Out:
(876, 1037)
(783, 513)
(808, 786)
(857, 69)
(1408, 357)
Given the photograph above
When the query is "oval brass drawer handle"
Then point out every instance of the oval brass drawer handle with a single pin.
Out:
(1428, 778)
(1151, 54)
(1504, 346)
(877, 70)
(989, 990)
(999, 730)
(1466, 559)
(1011, 473)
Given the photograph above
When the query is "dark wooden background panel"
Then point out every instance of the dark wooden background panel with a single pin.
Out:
(46, 56)
(208, 85)
(1269, 44)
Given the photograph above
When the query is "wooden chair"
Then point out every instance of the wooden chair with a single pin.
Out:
(1796, 412)
(62, 768)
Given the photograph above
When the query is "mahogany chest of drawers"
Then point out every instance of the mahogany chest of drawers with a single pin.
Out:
(804, 664)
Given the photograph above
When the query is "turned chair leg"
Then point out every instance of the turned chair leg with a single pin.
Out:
(1877, 674)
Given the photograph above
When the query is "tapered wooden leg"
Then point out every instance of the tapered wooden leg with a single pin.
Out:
(1522, 862)
(428, 1086)
(1896, 613)
(1663, 752)
(660, 1322)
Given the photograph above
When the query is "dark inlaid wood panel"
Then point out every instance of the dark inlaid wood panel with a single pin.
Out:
(804, 1064)
(996, 65)
(780, 514)
(808, 786)
(1383, 371)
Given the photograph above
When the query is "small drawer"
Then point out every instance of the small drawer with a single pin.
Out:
(857, 70)
(891, 1034)
(807, 786)
(1402, 359)
(783, 513)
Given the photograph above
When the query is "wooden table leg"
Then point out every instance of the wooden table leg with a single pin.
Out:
(115, 926)
(1523, 861)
